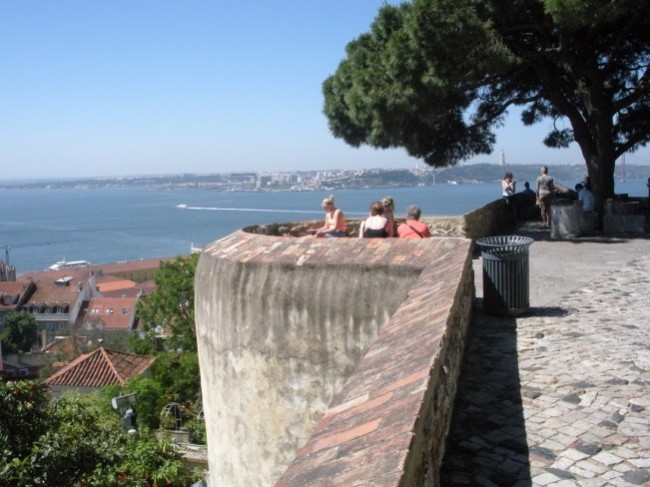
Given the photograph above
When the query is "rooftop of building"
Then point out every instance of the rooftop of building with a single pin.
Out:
(100, 368)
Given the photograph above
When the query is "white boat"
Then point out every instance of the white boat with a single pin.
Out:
(72, 264)
(182, 205)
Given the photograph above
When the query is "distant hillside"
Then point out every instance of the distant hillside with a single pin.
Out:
(568, 175)
(339, 179)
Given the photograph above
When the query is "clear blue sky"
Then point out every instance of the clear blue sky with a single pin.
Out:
(157, 87)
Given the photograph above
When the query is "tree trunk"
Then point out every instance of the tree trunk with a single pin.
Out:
(601, 177)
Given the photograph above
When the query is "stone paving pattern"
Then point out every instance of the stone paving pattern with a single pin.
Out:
(560, 397)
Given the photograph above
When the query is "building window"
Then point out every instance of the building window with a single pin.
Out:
(125, 311)
(94, 311)
(109, 311)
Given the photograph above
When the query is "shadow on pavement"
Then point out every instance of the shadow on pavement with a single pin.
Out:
(487, 441)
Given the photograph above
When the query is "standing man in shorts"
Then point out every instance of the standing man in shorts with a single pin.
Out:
(545, 190)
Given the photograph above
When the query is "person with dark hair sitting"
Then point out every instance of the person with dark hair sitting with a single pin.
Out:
(376, 225)
(586, 197)
(527, 191)
(413, 227)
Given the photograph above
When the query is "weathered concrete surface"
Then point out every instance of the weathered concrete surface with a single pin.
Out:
(281, 324)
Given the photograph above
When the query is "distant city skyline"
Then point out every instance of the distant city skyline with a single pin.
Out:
(94, 89)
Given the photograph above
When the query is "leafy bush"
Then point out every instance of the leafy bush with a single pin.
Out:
(75, 441)
(20, 332)
(197, 431)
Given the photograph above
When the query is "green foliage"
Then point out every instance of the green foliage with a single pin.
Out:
(175, 374)
(97, 403)
(46, 444)
(150, 400)
(20, 332)
(145, 344)
(146, 461)
(178, 375)
(171, 305)
(71, 442)
(198, 435)
(22, 421)
(175, 379)
(437, 76)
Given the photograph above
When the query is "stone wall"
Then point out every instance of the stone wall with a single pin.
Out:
(283, 322)
(388, 425)
(491, 219)
(334, 361)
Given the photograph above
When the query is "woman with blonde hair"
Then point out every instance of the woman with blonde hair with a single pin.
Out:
(334, 225)
(389, 212)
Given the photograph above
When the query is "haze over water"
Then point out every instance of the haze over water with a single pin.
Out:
(108, 225)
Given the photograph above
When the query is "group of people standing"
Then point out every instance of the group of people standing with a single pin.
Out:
(545, 192)
(380, 222)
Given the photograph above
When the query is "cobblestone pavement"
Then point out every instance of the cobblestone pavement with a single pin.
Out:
(561, 397)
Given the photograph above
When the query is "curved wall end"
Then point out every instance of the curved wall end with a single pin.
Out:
(281, 323)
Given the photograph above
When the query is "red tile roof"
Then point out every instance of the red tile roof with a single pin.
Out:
(68, 346)
(132, 266)
(111, 313)
(115, 285)
(100, 368)
(10, 291)
(82, 274)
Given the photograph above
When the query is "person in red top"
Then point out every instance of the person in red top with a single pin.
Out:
(413, 228)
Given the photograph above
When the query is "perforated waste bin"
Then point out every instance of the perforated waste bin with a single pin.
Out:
(505, 274)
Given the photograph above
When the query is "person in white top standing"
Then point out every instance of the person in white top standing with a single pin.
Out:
(508, 185)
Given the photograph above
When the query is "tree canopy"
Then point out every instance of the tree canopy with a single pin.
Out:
(171, 308)
(436, 77)
(171, 305)
(20, 332)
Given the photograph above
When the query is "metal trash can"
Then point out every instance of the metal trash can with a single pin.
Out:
(505, 274)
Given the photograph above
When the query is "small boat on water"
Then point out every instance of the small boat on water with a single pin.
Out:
(72, 264)
(182, 205)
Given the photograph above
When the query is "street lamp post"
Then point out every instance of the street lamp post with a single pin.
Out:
(124, 406)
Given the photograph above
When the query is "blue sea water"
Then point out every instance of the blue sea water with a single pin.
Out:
(42, 226)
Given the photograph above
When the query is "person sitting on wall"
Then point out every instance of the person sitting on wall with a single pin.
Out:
(334, 225)
(586, 197)
(376, 225)
(526, 203)
(413, 227)
(527, 191)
